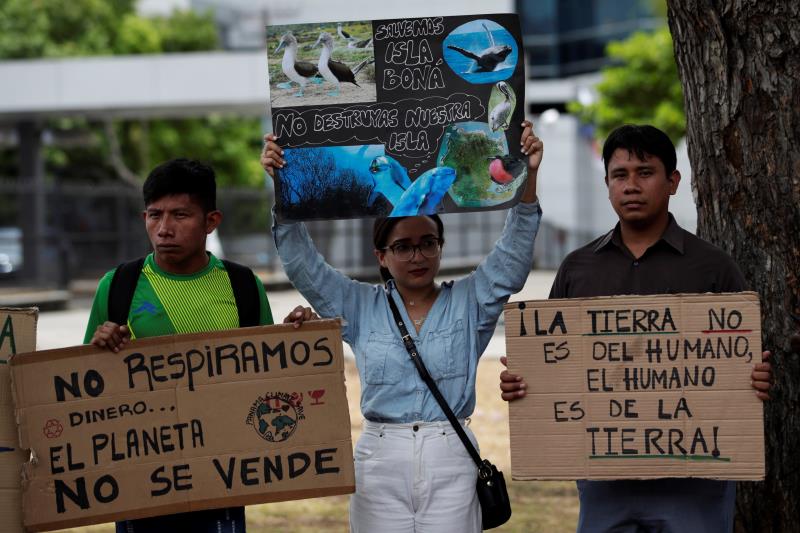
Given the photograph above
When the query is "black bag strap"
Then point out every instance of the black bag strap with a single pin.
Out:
(484, 467)
(243, 283)
(245, 292)
(120, 293)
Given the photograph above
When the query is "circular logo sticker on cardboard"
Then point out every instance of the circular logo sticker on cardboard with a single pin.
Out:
(53, 429)
(275, 416)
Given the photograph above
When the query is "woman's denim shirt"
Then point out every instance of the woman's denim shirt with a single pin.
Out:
(452, 338)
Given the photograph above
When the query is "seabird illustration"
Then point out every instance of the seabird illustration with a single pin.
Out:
(501, 113)
(333, 71)
(299, 72)
(488, 59)
(391, 179)
(363, 43)
(504, 169)
(360, 66)
(352, 41)
(342, 33)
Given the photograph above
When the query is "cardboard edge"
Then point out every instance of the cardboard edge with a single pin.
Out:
(747, 295)
(24, 310)
(198, 505)
(22, 434)
(87, 349)
(32, 313)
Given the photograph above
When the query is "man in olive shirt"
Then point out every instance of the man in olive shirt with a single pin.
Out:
(648, 253)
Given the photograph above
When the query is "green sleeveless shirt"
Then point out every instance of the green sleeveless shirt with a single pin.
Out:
(164, 303)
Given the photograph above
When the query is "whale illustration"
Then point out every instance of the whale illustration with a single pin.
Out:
(488, 59)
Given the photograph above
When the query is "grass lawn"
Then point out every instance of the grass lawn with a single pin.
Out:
(550, 506)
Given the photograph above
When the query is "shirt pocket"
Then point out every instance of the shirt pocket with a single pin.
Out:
(445, 352)
(384, 359)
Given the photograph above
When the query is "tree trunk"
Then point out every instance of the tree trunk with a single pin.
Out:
(740, 68)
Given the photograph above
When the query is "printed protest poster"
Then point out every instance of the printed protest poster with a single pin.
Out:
(182, 423)
(636, 387)
(17, 335)
(397, 117)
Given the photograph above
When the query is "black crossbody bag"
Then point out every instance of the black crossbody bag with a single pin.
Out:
(491, 486)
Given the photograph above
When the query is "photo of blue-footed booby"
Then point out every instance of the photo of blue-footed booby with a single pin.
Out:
(320, 65)
(351, 40)
(343, 33)
(299, 72)
(335, 71)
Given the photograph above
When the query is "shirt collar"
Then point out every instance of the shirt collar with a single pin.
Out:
(673, 236)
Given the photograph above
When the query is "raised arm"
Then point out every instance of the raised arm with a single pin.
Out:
(331, 293)
(506, 268)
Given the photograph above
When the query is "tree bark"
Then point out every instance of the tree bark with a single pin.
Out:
(740, 68)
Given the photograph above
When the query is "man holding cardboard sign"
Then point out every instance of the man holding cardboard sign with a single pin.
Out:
(179, 288)
(648, 253)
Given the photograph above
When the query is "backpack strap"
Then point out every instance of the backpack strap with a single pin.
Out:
(243, 284)
(120, 293)
(245, 292)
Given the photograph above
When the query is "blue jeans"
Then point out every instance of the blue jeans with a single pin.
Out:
(670, 505)
(229, 520)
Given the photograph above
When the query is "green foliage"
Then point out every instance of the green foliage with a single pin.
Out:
(80, 27)
(122, 7)
(55, 28)
(24, 27)
(229, 144)
(641, 87)
(138, 35)
(187, 31)
(68, 28)
(65, 28)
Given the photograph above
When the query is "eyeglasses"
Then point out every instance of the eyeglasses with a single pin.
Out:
(405, 252)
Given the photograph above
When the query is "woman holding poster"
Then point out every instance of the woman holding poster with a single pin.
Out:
(412, 471)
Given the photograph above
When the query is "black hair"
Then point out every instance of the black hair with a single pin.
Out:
(642, 140)
(383, 228)
(182, 176)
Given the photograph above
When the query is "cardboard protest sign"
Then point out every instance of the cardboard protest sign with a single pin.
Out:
(181, 423)
(17, 335)
(636, 387)
(397, 117)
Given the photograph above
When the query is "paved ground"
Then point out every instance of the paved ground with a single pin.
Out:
(59, 329)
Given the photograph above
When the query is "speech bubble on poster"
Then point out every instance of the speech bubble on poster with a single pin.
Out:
(182, 423)
(636, 387)
(397, 117)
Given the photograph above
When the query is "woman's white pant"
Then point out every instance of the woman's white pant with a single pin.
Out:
(415, 477)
